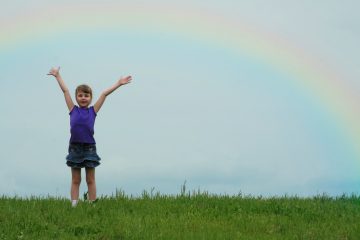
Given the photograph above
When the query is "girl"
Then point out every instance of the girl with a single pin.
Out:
(82, 147)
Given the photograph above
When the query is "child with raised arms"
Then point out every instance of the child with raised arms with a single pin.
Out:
(82, 146)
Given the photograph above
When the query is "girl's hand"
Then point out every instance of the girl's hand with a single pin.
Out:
(124, 80)
(54, 71)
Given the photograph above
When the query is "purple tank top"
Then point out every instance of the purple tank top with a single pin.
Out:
(82, 122)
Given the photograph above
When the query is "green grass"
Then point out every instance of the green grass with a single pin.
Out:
(198, 215)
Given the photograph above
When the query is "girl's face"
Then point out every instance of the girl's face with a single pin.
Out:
(83, 99)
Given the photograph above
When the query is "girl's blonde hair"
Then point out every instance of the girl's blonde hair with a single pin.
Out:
(83, 88)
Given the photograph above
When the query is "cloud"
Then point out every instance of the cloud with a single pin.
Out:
(221, 121)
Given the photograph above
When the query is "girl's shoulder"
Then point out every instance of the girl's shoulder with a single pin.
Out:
(74, 108)
(79, 109)
(91, 108)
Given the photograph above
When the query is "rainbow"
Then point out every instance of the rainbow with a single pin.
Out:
(325, 85)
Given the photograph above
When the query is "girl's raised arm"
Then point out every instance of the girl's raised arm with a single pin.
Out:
(101, 100)
(55, 72)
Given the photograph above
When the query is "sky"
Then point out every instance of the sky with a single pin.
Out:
(258, 97)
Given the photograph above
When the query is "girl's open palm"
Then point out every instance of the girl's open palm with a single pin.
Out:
(125, 80)
(54, 71)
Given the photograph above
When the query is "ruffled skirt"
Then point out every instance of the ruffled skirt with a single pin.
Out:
(82, 155)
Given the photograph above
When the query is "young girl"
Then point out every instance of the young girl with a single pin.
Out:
(82, 147)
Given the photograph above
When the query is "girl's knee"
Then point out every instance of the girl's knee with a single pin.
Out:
(90, 180)
(76, 181)
(90, 176)
(76, 176)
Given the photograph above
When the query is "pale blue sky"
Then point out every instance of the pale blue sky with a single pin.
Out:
(221, 121)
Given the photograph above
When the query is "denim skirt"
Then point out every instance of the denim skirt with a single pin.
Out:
(82, 155)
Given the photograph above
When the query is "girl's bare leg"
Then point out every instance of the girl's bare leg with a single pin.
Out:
(75, 183)
(90, 180)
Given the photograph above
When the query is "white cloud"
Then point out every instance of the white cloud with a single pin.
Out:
(222, 122)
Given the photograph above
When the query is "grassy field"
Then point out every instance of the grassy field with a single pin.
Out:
(198, 215)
